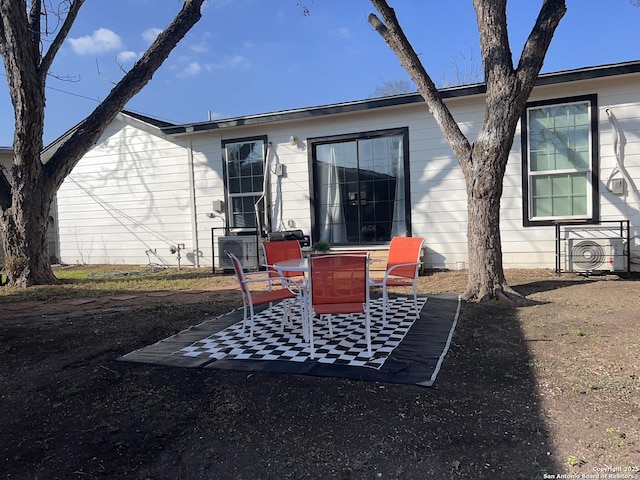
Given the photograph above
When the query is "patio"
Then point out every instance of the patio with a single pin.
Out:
(408, 350)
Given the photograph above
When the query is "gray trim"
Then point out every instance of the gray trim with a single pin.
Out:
(153, 122)
(565, 76)
(147, 119)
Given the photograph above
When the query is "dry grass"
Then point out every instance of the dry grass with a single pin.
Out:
(106, 280)
(549, 386)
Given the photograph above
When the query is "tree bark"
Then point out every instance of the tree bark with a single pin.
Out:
(483, 163)
(26, 193)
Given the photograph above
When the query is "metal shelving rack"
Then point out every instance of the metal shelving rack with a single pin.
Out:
(623, 229)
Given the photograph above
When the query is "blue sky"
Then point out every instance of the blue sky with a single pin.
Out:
(257, 56)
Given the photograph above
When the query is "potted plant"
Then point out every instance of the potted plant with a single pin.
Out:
(323, 246)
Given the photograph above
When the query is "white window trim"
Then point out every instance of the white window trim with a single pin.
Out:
(591, 173)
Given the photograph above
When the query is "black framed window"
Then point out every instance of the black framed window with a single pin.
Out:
(560, 161)
(244, 161)
(360, 187)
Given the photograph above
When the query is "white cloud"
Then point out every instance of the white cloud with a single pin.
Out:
(101, 41)
(216, 4)
(126, 56)
(342, 32)
(150, 34)
(230, 63)
(200, 47)
(194, 68)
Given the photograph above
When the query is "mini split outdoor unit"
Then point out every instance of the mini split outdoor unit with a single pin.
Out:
(595, 254)
(243, 247)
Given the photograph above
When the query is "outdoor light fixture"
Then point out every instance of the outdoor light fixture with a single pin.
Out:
(177, 249)
(293, 141)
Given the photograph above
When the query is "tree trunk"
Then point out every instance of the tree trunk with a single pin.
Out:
(484, 172)
(483, 163)
(24, 228)
(26, 193)
(486, 277)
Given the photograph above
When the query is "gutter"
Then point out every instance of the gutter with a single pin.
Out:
(565, 76)
(192, 204)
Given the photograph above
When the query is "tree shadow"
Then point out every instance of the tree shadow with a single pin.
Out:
(540, 286)
(481, 420)
(497, 424)
(526, 289)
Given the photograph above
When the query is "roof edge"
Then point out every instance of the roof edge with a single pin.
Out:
(586, 73)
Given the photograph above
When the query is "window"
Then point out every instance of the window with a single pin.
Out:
(560, 161)
(360, 187)
(244, 169)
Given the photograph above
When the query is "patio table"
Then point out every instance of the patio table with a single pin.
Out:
(300, 265)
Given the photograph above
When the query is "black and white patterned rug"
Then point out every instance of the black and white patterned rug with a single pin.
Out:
(409, 350)
(347, 346)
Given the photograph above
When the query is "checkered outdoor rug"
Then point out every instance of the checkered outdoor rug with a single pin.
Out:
(409, 351)
(347, 346)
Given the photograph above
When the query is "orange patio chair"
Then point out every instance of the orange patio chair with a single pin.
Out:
(339, 284)
(278, 251)
(252, 298)
(402, 269)
(283, 250)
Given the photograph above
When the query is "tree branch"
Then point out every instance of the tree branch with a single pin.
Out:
(539, 40)
(494, 39)
(3, 37)
(9, 11)
(34, 20)
(89, 131)
(21, 54)
(395, 38)
(49, 56)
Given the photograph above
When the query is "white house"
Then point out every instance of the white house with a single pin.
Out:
(358, 173)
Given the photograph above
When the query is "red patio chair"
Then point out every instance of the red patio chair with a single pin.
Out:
(339, 284)
(283, 250)
(402, 269)
(278, 251)
(253, 298)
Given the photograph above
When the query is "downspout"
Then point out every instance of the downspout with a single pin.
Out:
(278, 202)
(265, 198)
(267, 189)
(192, 204)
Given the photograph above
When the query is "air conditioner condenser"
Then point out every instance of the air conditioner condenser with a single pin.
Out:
(595, 254)
(243, 247)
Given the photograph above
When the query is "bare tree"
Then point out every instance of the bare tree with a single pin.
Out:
(27, 191)
(483, 162)
(464, 70)
(392, 87)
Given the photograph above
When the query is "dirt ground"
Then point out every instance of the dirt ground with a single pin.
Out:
(532, 391)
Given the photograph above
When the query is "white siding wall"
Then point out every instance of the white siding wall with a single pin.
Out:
(132, 192)
(129, 194)
(535, 246)
(209, 186)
